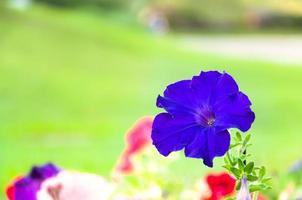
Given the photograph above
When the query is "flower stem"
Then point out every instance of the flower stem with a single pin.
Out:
(255, 195)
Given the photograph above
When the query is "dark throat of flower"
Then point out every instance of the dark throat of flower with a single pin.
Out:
(206, 119)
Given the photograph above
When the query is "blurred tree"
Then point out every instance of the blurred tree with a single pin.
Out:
(204, 14)
(60, 3)
(201, 13)
(109, 4)
(291, 7)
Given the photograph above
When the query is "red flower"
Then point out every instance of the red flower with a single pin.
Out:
(136, 139)
(221, 185)
(10, 189)
(10, 192)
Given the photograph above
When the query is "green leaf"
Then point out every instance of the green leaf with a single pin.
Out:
(259, 187)
(234, 145)
(252, 178)
(254, 188)
(246, 139)
(240, 165)
(235, 161)
(265, 180)
(249, 167)
(226, 161)
(236, 172)
(238, 185)
(232, 162)
(227, 167)
(262, 172)
(238, 136)
(244, 156)
(230, 198)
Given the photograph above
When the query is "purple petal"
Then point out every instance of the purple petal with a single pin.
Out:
(180, 92)
(204, 84)
(225, 87)
(235, 112)
(27, 187)
(244, 190)
(172, 133)
(43, 172)
(222, 142)
(178, 98)
(208, 144)
(173, 107)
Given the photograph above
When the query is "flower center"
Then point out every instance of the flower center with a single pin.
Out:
(206, 118)
(210, 121)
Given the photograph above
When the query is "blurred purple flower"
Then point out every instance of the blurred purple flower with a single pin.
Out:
(27, 187)
(244, 193)
(198, 114)
(296, 167)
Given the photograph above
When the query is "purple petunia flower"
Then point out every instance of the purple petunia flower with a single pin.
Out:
(28, 186)
(198, 114)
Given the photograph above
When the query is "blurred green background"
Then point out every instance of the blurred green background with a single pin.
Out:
(76, 74)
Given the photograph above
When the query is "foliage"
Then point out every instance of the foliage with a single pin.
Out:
(236, 162)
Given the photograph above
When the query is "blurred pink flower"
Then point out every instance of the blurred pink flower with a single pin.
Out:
(68, 185)
(261, 197)
(137, 138)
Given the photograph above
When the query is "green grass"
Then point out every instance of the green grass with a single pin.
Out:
(72, 83)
